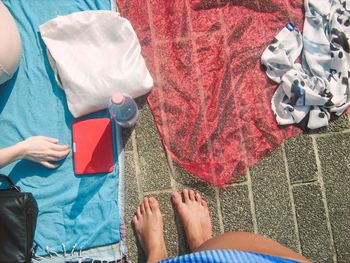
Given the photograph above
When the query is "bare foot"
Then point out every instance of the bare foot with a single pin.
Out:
(148, 222)
(195, 217)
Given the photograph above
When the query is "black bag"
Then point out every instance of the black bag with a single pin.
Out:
(18, 214)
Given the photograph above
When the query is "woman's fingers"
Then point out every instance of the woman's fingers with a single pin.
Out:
(59, 147)
(49, 165)
(49, 139)
(57, 155)
(44, 150)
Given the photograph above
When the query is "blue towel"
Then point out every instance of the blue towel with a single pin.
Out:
(81, 210)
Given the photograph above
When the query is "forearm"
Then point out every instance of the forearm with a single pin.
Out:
(11, 154)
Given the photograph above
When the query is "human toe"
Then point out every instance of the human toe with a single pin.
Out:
(142, 208)
(198, 198)
(135, 220)
(154, 204)
(186, 195)
(192, 195)
(138, 213)
(176, 199)
(146, 205)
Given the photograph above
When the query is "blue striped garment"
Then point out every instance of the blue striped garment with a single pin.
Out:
(227, 256)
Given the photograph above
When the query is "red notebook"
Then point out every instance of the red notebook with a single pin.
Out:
(93, 146)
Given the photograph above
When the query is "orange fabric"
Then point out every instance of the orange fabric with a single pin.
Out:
(211, 102)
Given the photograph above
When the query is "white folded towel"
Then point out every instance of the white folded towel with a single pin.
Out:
(93, 55)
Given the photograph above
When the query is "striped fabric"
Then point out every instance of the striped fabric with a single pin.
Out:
(227, 256)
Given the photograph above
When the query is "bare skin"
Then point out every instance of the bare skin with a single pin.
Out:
(197, 228)
(40, 149)
(148, 222)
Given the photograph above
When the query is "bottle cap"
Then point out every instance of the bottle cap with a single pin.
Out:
(117, 98)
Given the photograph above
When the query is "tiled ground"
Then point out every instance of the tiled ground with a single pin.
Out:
(299, 195)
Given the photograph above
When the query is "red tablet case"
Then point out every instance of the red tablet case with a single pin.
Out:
(93, 146)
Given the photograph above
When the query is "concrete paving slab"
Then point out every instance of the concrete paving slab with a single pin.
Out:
(272, 198)
(315, 239)
(185, 178)
(132, 201)
(335, 165)
(301, 159)
(127, 140)
(171, 236)
(236, 210)
(154, 167)
(241, 179)
(287, 200)
(337, 124)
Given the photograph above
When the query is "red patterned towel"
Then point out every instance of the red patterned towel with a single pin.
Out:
(211, 101)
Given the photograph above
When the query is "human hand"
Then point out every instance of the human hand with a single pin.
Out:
(43, 150)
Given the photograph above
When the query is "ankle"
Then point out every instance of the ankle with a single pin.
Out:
(193, 245)
(155, 254)
(155, 257)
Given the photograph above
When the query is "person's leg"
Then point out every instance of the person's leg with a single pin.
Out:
(195, 218)
(10, 47)
(148, 222)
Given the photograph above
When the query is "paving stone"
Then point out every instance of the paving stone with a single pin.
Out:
(127, 140)
(132, 201)
(272, 200)
(127, 132)
(241, 179)
(337, 124)
(301, 159)
(312, 223)
(185, 178)
(335, 164)
(172, 240)
(153, 163)
(235, 209)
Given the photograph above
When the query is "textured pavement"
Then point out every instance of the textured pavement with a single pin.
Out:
(299, 195)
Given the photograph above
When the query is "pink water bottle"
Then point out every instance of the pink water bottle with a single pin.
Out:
(123, 109)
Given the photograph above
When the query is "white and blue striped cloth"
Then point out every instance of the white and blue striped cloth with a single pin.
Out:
(311, 91)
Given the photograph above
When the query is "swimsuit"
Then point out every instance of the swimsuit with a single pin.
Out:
(227, 256)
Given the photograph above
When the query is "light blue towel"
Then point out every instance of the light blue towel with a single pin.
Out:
(81, 210)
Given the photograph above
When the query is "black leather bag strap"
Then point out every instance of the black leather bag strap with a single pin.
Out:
(9, 182)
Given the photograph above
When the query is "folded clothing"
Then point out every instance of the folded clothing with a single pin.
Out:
(310, 92)
(94, 54)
